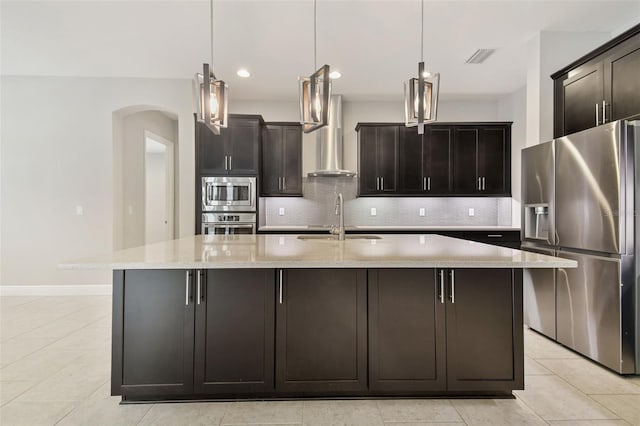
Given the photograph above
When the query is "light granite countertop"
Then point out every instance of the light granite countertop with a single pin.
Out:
(371, 228)
(288, 251)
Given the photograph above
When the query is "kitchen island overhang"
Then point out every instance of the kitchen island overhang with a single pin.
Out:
(277, 316)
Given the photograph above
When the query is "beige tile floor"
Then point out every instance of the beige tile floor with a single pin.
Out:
(54, 370)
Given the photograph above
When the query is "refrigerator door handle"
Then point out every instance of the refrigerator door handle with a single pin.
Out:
(597, 114)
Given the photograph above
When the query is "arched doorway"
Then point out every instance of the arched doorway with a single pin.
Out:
(145, 169)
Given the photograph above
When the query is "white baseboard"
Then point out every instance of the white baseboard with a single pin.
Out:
(55, 290)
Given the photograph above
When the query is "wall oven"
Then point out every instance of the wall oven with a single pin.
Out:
(223, 223)
(228, 194)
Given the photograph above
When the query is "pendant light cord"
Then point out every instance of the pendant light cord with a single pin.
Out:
(211, 26)
(422, 31)
(315, 35)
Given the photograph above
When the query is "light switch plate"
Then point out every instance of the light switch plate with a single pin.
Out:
(421, 211)
(374, 212)
(281, 211)
(472, 211)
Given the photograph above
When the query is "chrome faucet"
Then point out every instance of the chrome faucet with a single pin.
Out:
(339, 230)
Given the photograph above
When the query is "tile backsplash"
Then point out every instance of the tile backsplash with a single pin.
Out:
(317, 208)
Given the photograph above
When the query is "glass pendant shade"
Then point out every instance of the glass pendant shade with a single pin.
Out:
(212, 100)
(421, 99)
(314, 92)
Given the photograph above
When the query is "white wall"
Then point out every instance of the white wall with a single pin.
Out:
(133, 158)
(56, 153)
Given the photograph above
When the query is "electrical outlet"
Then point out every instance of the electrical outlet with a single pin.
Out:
(472, 211)
(281, 241)
(281, 211)
(421, 211)
(374, 212)
(79, 210)
(422, 239)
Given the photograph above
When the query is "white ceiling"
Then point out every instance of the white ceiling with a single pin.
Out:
(375, 44)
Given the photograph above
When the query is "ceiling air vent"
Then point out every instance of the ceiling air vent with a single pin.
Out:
(480, 56)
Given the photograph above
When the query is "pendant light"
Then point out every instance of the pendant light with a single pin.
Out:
(314, 91)
(421, 94)
(212, 94)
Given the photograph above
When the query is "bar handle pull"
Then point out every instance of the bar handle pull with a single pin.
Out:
(479, 183)
(199, 285)
(441, 286)
(452, 295)
(230, 167)
(429, 183)
(280, 286)
(597, 114)
(187, 281)
(604, 111)
(284, 184)
(382, 184)
(424, 183)
(483, 182)
(494, 235)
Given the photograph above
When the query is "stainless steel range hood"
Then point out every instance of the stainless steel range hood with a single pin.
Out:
(330, 144)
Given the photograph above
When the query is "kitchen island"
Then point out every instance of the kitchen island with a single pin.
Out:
(288, 316)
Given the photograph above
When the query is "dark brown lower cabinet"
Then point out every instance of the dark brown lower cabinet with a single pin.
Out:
(484, 330)
(234, 331)
(407, 346)
(225, 333)
(445, 330)
(153, 350)
(321, 331)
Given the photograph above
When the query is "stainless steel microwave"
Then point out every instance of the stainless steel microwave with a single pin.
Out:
(228, 194)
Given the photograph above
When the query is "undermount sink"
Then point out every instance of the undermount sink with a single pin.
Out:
(335, 237)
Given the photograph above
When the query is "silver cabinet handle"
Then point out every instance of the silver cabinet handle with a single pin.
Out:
(284, 185)
(382, 184)
(198, 285)
(483, 187)
(280, 286)
(453, 287)
(597, 114)
(604, 111)
(441, 286)
(186, 287)
(230, 166)
(479, 184)
(424, 183)
(377, 183)
(494, 235)
(429, 183)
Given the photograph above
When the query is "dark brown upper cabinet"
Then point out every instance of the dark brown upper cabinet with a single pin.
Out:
(378, 158)
(600, 87)
(482, 159)
(235, 151)
(450, 159)
(425, 160)
(281, 172)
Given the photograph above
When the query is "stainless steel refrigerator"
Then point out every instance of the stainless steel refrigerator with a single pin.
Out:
(579, 202)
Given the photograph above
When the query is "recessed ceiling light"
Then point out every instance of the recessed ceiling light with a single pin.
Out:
(335, 74)
(242, 72)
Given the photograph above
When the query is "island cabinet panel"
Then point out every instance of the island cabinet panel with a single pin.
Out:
(484, 330)
(407, 340)
(321, 331)
(234, 331)
(155, 344)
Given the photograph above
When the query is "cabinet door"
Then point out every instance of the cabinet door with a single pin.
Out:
(387, 158)
(271, 160)
(368, 168)
(465, 154)
(582, 95)
(234, 331)
(437, 159)
(494, 159)
(321, 331)
(212, 150)
(622, 81)
(411, 161)
(484, 330)
(243, 141)
(292, 160)
(406, 331)
(156, 316)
